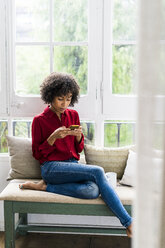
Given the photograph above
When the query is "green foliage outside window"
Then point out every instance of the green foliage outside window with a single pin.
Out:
(118, 133)
(32, 66)
(70, 20)
(123, 76)
(3, 133)
(89, 132)
(124, 20)
(73, 60)
(22, 129)
(70, 24)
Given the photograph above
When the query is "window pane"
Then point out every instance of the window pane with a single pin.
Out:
(22, 128)
(3, 133)
(32, 66)
(118, 133)
(89, 132)
(32, 20)
(124, 20)
(73, 60)
(70, 20)
(123, 76)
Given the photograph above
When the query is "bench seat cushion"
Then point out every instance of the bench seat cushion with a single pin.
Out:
(13, 193)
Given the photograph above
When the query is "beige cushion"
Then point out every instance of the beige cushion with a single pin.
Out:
(12, 192)
(23, 164)
(111, 159)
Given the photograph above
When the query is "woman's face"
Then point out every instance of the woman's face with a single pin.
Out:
(61, 103)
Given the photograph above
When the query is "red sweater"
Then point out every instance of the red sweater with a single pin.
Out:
(43, 125)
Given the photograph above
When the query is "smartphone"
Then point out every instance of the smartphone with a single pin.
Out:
(72, 127)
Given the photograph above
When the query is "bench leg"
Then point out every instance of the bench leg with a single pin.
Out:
(9, 225)
(23, 218)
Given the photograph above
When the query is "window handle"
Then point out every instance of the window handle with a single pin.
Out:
(17, 104)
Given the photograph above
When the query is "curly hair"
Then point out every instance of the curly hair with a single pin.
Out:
(59, 84)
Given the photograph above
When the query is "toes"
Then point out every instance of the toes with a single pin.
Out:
(129, 233)
(21, 186)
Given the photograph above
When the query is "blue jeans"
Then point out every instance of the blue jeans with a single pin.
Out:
(82, 181)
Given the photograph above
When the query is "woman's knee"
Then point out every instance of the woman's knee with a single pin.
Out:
(90, 191)
(98, 171)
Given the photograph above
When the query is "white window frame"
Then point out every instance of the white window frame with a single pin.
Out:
(32, 105)
(3, 62)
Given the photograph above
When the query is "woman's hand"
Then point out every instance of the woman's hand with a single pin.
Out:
(59, 133)
(76, 132)
(62, 132)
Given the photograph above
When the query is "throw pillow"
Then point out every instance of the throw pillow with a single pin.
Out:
(23, 164)
(130, 170)
(111, 159)
(129, 173)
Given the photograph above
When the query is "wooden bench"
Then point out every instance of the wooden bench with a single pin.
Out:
(25, 202)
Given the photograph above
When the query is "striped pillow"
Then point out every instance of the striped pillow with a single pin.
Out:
(111, 159)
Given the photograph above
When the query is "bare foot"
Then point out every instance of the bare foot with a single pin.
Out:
(41, 185)
(129, 231)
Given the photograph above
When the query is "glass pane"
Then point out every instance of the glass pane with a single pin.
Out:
(70, 20)
(89, 132)
(32, 66)
(127, 134)
(74, 60)
(32, 20)
(123, 75)
(118, 134)
(22, 128)
(110, 135)
(3, 133)
(124, 20)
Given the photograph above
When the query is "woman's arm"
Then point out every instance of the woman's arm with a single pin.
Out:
(79, 139)
(40, 147)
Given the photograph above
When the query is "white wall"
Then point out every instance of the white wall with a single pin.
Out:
(58, 219)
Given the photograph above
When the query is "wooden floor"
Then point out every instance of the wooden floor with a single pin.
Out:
(34, 240)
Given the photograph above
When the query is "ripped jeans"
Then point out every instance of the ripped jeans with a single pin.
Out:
(83, 181)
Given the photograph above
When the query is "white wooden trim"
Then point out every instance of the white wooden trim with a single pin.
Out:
(3, 62)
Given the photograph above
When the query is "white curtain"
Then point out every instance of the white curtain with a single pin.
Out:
(149, 211)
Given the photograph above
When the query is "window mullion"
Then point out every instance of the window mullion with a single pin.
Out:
(10, 54)
(3, 73)
(51, 37)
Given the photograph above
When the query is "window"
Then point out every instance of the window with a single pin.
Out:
(119, 59)
(51, 35)
(119, 133)
(123, 47)
(119, 86)
(22, 128)
(92, 39)
(56, 35)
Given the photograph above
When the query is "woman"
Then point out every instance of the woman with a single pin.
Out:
(57, 146)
